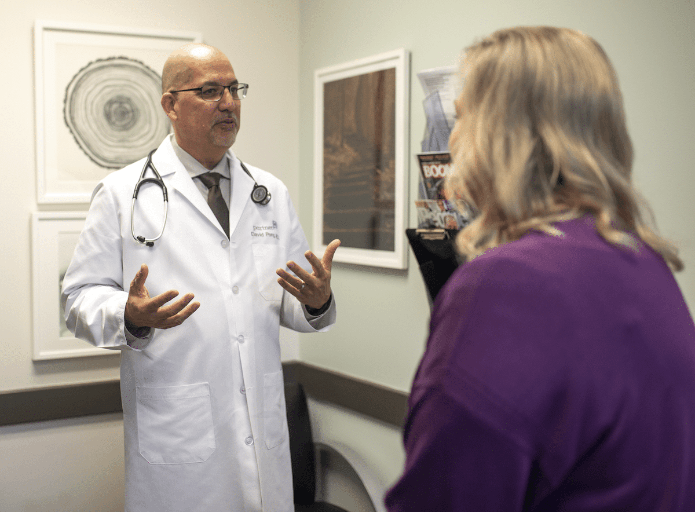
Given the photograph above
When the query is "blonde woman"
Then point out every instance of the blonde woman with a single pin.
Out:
(559, 373)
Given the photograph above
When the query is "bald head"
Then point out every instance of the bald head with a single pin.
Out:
(180, 66)
(205, 129)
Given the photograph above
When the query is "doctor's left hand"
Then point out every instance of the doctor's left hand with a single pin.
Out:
(143, 311)
(313, 289)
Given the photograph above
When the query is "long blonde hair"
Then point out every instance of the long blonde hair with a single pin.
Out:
(541, 137)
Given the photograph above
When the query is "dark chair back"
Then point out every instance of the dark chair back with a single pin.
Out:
(301, 444)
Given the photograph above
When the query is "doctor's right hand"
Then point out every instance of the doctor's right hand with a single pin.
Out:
(143, 311)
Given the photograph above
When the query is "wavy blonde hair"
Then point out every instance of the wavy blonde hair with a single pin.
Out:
(541, 137)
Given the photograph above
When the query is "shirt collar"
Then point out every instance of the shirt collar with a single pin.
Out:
(194, 167)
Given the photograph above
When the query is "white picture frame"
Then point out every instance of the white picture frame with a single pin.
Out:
(364, 153)
(98, 92)
(55, 236)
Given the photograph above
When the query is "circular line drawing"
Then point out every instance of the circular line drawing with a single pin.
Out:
(112, 109)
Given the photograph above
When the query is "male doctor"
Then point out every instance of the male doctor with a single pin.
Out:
(203, 394)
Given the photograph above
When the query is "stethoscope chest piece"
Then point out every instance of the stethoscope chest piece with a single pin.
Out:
(260, 195)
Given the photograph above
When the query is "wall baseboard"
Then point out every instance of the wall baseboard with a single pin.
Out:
(378, 402)
(59, 402)
(72, 401)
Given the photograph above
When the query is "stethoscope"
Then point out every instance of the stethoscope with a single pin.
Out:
(259, 195)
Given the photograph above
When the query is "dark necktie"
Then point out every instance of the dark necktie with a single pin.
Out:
(215, 200)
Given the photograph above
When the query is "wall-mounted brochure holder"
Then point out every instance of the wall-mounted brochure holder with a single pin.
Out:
(436, 255)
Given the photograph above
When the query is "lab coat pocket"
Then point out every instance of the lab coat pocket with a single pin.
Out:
(274, 413)
(175, 424)
(268, 257)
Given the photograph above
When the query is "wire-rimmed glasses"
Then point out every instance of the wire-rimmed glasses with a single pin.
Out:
(215, 92)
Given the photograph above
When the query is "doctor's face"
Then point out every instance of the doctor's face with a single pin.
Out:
(206, 129)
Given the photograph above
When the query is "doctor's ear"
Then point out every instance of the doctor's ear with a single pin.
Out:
(168, 102)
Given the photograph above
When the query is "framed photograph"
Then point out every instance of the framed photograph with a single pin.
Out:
(98, 109)
(361, 159)
(55, 236)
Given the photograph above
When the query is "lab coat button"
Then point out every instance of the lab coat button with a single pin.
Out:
(242, 390)
(235, 290)
(224, 243)
(241, 338)
(249, 441)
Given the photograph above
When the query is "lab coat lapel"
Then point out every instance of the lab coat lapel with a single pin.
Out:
(178, 180)
(242, 185)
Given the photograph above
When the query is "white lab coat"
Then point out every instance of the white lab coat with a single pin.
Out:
(203, 402)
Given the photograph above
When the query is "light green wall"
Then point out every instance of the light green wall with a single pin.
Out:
(65, 465)
(383, 314)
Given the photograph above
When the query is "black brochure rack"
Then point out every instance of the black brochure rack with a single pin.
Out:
(436, 256)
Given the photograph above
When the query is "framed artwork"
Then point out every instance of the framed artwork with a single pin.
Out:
(361, 159)
(55, 236)
(98, 109)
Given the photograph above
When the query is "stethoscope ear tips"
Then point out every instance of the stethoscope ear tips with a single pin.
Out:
(143, 240)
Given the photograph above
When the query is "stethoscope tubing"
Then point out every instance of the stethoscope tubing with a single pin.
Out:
(259, 195)
(157, 180)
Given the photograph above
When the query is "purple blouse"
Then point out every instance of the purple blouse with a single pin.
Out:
(559, 375)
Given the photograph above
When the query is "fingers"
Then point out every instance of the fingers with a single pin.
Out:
(143, 311)
(176, 313)
(176, 307)
(310, 289)
(302, 274)
(312, 294)
(157, 302)
(292, 289)
(315, 264)
(146, 312)
(329, 253)
(292, 281)
(323, 266)
(138, 282)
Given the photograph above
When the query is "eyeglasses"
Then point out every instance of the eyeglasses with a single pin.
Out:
(215, 92)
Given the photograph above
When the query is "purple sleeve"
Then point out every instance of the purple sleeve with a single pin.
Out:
(451, 456)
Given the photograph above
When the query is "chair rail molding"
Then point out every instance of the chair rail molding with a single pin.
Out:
(70, 401)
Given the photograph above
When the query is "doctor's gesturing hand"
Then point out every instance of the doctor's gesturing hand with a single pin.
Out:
(312, 290)
(144, 311)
